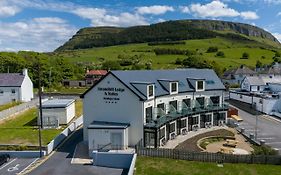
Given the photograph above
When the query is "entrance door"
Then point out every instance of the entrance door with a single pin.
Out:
(174, 104)
(116, 140)
(202, 120)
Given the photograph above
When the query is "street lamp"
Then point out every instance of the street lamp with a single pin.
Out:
(40, 125)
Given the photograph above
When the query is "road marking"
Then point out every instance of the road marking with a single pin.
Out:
(13, 168)
(8, 163)
(269, 118)
(28, 166)
(266, 138)
(74, 154)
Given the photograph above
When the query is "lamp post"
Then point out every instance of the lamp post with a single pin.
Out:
(40, 125)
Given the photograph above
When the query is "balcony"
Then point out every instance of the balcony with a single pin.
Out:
(186, 111)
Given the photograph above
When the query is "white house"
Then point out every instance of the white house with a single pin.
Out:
(57, 112)
(261, 83)
(128, 107)
(235, 76)
(15, 87)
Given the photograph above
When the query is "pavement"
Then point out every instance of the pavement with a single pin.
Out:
(60, 162)
(16, 166)
(268, 128)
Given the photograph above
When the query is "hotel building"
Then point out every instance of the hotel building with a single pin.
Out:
(153, 106)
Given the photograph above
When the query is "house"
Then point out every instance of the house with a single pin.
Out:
(235, 76)
(93, 76)
(151, 106)
(261, 83)
(57, 112)
(15, 87)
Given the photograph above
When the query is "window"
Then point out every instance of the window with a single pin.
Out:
(148, 114)
(150, 91)
(13, 91)
(187, 102)
(174, 87)
(172, 127)
(183, 123)
(200, 85)
(1, 92)
(162, 133)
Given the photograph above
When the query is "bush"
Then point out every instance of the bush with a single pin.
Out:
(264, 150)
(220, 54)
(212, 49)
(245, 55)
(111, 65)
(178, 61)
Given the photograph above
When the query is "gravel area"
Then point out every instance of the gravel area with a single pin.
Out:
(191, 144)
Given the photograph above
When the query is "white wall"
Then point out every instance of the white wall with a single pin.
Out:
(128, 109)
(70, 112)
(245, 85)
(26, 89)
(236, 96)
(275, 87)
(7, 96)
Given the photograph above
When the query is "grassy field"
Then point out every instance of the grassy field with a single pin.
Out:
(9, 105)
(161, 166)
(233, 51)
(66, 90)
(22, 128)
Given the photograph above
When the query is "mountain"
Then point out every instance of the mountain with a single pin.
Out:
(168, 31)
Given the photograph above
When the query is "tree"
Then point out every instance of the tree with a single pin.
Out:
(258, 64)
(111, 65)
(212, 49)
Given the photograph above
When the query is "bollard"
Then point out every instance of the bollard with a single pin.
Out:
(252, 136)
(242, 130)
(262, 142)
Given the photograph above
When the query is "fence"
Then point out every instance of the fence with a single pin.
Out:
(16, 109)
(208, 157)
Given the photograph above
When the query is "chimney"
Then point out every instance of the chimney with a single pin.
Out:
(24, 72)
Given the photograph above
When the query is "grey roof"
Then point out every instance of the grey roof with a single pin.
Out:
(242, 70)
(181, 75)
(11, 79)
(57, 103)
(256, 80)
(108, 125)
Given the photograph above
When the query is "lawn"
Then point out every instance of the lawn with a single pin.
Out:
(162, 166)
(9, 105)
(22, 129)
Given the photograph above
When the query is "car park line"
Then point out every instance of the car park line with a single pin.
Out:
(8, 163)
(28, 166)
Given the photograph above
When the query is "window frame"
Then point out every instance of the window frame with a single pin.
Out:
(150, 91)
(197, 85)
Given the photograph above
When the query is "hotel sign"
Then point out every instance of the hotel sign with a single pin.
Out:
(111, 94)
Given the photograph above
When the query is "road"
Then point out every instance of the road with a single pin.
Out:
(60, 162)
(268, 128)
(15, 166)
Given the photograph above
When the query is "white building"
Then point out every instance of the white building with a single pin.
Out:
(15, 87)
(126, 107)
(269, 83)
(57, 112)
(235, 76)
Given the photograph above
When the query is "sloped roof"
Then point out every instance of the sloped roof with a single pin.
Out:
(57, 103)
(11, 79)
(256, 80)
(242, 70)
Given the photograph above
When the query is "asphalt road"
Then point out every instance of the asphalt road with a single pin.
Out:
(15, 166)
(60, 162)
(268, 128)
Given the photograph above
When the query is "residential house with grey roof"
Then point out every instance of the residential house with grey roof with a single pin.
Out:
(151, 106)
(235, 76)
(15, 87)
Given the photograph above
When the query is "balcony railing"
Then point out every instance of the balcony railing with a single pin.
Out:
(185, 111)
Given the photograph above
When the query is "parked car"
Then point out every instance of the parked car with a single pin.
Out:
(4, 158)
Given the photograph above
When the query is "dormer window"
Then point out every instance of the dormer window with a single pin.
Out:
(173, 87)
(150, 91)
(200, 85)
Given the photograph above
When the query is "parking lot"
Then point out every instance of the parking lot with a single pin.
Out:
(16, 166)
(268, 128)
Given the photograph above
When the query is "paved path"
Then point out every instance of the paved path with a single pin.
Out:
(15, 166)
(60, 162)
(268, 128)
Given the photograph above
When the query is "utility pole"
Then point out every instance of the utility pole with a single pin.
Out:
(40, 125)
(256, 128)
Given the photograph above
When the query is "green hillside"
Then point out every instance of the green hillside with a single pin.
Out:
(144, 53)
(167, 31)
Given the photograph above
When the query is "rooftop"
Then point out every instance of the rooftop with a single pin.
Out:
(57, 103)
(109, 125)
(97, 72)
(11, 79)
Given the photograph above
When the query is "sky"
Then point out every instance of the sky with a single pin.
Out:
(44, 25)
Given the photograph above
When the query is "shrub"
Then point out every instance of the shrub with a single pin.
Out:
(212, 49)
(264, 150)
(220, 54)
(245, 55)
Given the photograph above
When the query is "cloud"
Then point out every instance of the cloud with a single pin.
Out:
(278, 14)
(273, 1)
(249, 15)
(184, 9)
(277, 35)
(7, 10)
(154, 10)
(38, 34)
(217, 9)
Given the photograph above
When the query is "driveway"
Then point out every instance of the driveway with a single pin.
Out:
(268, 128)
(15, 166)
(60, 162)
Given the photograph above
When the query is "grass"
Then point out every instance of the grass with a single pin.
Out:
(233, 51)
(66, 90)
(22, 129)
(207, 141)
(9, 105)
(162, 166)
(78, 108)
